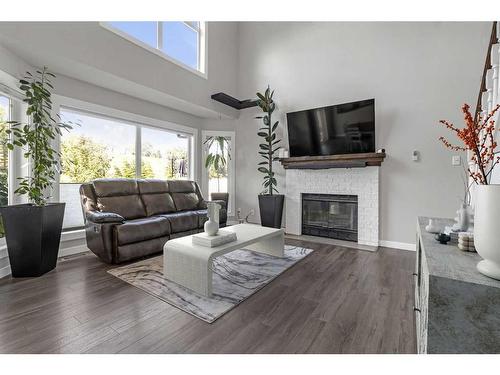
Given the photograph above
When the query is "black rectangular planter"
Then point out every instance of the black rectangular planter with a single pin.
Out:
(271, 210)
(33, 234)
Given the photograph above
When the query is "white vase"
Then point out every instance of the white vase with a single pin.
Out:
(212, 224)
(432, 227)
(463, 219)
(486, 221)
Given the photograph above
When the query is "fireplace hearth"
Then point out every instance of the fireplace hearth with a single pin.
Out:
(330, 215)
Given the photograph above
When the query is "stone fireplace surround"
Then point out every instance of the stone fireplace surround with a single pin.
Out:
(363, 182)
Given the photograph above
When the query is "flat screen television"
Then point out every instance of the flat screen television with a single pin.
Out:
(338, 129)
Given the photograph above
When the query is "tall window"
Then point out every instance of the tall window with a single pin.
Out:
(102, 147)
(4, 155)
(219, 177)
(181, 40)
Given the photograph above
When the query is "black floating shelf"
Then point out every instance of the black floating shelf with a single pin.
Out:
(233, 102)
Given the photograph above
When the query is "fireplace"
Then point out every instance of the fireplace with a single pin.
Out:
(330, 215)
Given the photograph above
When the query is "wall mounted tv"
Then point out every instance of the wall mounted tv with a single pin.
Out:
(338, 129)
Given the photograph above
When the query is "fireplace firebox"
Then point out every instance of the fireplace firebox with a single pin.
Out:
(330, 215)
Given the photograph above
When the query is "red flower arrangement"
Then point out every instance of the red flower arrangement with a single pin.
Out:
(478, 137)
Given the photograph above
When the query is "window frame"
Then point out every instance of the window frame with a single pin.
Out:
(10, 167)
(231, 171)
(202, 45)
(17, 164)
(139, 121)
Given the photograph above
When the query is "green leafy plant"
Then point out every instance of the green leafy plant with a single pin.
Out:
(36, 137)
(270, 146)
(216, 161)
(83, 159)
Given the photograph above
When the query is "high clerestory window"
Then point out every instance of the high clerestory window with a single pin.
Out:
(180, 41)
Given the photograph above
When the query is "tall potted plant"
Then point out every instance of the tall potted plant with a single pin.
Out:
(478, 137)
(270, 204)
(33, 230)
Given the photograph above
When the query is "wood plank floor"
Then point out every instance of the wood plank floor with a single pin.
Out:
(337, 300)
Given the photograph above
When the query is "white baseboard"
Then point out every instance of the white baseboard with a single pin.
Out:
(397, 245)
(5, 271)
(73, 250)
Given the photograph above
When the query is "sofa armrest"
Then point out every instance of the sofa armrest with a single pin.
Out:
(220, 197)
(104, 217)
(99, 233)
(221, 202)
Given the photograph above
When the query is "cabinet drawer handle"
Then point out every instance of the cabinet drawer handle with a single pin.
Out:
(415, 274)
(416, 309)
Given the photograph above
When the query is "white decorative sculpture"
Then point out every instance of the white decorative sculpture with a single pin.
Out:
(212, 224)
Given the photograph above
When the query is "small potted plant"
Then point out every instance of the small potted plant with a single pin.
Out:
(478, 137)
(33, 230)
(270, 204)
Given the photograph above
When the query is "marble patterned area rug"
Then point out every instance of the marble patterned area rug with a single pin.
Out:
(236, 276)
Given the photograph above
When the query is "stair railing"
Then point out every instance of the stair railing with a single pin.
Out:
(488, 91)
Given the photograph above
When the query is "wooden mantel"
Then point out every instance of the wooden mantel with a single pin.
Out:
(334, 161)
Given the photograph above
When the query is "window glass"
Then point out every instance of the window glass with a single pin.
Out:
(96, 148)
(219, 176)
(165, 155)
(146, 32)
(177, 39)
(181, 42)
(4, 155)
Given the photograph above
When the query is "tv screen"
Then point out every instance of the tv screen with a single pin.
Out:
(338, 129)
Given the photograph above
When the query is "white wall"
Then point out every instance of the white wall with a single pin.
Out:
(13, 67)
(88, 52)
(418, 73)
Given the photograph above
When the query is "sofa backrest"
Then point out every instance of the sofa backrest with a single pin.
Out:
(156, 196)
(133, 198)
(185, 194)
(119, 195)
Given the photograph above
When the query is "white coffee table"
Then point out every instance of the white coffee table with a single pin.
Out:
(190, 265)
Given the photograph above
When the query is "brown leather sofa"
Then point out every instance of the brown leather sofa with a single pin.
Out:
(127, 219)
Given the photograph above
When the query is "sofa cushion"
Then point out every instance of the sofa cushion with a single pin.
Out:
(142, 229)
(155, 196)
(161, 203)
(128, 206)
(140, 249)
(185, 201)
(182, 221)
(120, 196)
